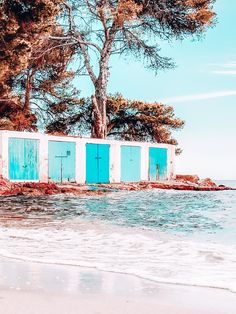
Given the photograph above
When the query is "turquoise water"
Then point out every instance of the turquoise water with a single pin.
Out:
(168, 236)
(170, 211)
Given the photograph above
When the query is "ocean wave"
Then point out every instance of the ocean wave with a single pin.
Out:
(163, 236)
(150, 255)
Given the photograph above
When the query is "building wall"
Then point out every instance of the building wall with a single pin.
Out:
(115, 155)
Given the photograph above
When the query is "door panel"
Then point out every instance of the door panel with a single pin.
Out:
(23, 159)
(130, 163)
(157, 163)
(61, 161)
(97, 163)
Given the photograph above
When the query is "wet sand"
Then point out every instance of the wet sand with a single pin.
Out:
(34, 288)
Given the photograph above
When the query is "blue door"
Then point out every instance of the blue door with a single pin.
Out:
(61, 161)
(23, 159)
(157, 163)
(130, 163)
(97, 163)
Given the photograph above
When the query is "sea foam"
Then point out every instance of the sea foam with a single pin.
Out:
(158, 257)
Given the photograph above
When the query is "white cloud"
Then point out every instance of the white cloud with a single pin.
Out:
(225, 72)
(186, 98)
(226, 68)
(229, 64)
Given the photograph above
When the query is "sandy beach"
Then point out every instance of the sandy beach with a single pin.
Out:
(34, 288)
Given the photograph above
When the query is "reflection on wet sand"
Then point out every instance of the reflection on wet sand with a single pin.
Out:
(18, 275)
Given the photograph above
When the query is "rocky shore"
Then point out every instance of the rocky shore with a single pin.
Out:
(182, 182)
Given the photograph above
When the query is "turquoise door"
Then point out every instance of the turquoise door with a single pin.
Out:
(130, 163)
(157, 163)
(61, 161)
(23, 159)
(97, 163)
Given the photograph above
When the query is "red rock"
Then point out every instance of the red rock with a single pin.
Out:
(12, 192)
(208, 183)
(3, 182)
(187, 178)
(185, 183)
(49, 192)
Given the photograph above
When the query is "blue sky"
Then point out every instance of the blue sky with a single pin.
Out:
(202, 91)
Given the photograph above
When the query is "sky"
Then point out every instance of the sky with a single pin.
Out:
(202, 90)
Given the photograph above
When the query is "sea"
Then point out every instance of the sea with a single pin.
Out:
(166, 236)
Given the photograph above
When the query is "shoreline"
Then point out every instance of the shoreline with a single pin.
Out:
(8, 188)
(118, 273)
(27, 287)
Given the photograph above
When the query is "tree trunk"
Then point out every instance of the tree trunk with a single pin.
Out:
(99, 99)
(99, 103)
(99, 128)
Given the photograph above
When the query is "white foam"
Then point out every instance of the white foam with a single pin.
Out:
(157, 257)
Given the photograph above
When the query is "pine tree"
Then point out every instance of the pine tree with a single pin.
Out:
(128, 27)
(126, 120)
(23, 26)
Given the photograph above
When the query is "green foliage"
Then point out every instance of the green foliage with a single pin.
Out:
(141, 121)
(45, 86)
(126, 120)
(23, 25)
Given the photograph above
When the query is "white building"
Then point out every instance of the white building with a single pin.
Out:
(40, 157)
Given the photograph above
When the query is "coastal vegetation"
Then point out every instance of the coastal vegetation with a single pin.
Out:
(46, 44)
(126, 120)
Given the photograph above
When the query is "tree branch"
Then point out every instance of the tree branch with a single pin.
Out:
(77, 39)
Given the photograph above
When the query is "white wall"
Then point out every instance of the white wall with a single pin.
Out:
(115, 155)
